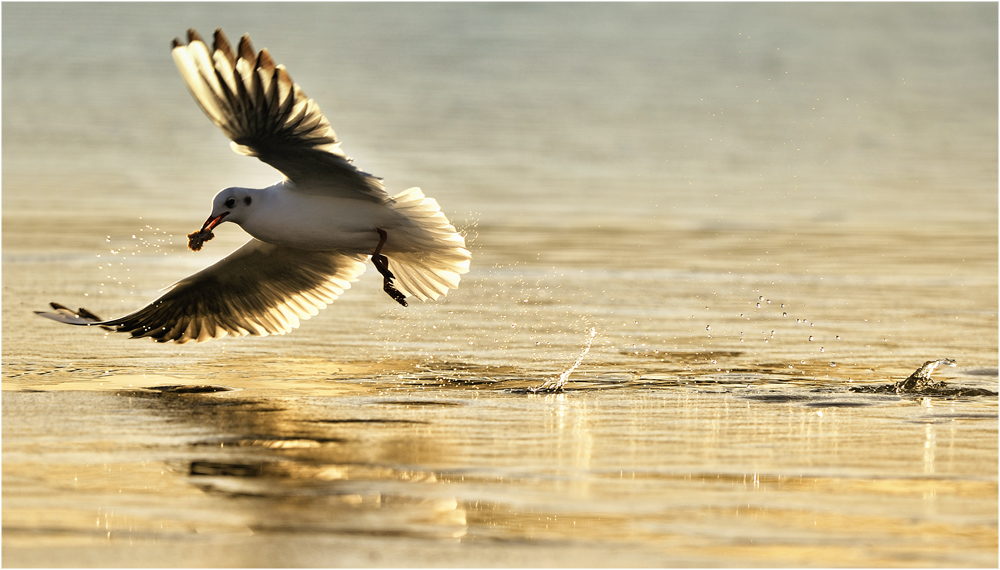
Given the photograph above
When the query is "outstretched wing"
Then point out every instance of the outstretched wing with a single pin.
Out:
(259, 289)
(266, 115)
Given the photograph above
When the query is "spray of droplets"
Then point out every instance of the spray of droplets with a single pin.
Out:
(118, 262)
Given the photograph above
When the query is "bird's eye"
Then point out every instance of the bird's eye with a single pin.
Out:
(247, 200)
(230, 202)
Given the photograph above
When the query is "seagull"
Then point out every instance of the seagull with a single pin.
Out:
(312, 233)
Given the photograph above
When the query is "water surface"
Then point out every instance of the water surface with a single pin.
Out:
(756, 209)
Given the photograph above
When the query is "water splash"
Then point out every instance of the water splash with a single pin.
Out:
(554, 384)
(116, 263)
(921, 378)
(919, 384)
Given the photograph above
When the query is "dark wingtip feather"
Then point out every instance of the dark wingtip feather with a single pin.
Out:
(222, 44)
(176, 43)
(246, 48)
(265, 61)
(88, 315)
(80, 316)
(193, 36)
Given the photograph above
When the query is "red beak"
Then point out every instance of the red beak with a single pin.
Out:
(212, 222)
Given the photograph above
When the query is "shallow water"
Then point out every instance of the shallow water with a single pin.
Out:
(755, 208)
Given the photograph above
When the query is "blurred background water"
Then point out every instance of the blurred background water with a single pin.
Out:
(755, 206)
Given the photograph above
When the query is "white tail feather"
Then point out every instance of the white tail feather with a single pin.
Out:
(429, 257)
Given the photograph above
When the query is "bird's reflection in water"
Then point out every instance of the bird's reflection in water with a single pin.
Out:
(379, 465)
(284, 466)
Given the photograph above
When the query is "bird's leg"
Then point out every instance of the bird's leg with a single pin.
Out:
(381, 263)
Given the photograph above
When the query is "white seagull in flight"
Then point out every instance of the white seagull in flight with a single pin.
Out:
(312, 232)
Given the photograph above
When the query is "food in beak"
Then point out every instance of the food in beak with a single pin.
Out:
(198, 238)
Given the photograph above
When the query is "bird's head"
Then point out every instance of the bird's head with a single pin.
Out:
(230, 205)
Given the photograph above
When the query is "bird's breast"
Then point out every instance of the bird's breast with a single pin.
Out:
(311, 222)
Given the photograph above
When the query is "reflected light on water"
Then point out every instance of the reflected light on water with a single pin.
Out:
(754, 232)
(929, 431)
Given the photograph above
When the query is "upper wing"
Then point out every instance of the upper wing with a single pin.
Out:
(258, 289)
(266, 115)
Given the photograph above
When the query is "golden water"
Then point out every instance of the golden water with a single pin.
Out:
(755, 208)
